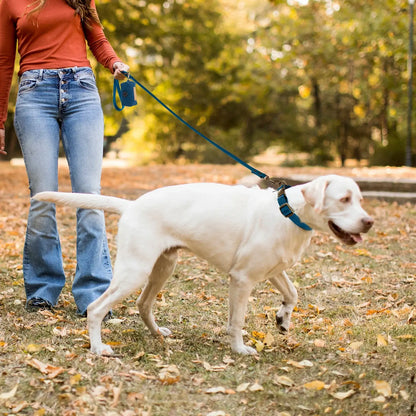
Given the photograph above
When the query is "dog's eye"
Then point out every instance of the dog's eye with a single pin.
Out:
(346, 200)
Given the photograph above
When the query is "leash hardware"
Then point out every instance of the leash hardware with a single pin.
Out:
(275, 183)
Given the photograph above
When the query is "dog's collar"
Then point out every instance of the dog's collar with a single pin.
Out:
(287, 210)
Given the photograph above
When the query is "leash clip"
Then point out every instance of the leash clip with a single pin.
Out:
(275, 183)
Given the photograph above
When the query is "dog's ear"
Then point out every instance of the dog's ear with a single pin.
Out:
(314, 193)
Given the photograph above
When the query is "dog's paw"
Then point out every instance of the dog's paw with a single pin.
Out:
(245, 350)
(102, 349)
(280, 324)
(164, 331)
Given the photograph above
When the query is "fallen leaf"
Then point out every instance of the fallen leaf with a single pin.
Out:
(362, 252)
(412, 317)
(268, 339)
(228, 360)
(116, 394)
(314, 385)
(75, 379)
(382, 387)
(306, 363)
(258, 335)
(219, 389)
(284, 381)
(60, 331)
(242, 387)
(115, 321)
(355, 346)
(9, 394)
(214, 368)
(341, 395)
(98, 391)
(169, 374)
(404, 394)
(300, 364)
(379, 399)
(33, 348)
(405, 336)
(381, 341)
(255, 387)
(215, 390)
(258, 344)
(46, 369)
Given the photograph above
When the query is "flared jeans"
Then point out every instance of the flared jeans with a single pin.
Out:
(53, 106)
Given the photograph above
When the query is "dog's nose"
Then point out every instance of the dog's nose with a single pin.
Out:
(367, 223)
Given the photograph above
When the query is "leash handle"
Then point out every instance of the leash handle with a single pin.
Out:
(253, 170)
(117, 90)
(126, 93)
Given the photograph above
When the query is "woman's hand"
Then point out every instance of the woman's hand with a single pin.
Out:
(118, 67)
(3, 142)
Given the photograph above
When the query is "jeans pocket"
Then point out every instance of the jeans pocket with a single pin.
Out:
(27, 84)
(86, 80)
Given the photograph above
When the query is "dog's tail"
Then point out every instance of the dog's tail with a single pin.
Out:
(89, 201)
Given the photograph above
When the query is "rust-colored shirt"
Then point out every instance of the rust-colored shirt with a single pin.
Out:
(52, 38)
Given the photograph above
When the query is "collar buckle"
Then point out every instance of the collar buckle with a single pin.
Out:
(287, 210)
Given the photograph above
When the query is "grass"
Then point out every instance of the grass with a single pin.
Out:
(353, 332)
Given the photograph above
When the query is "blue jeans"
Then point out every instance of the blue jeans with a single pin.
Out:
(54, 105)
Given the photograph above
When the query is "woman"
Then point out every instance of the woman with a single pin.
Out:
(58, 100)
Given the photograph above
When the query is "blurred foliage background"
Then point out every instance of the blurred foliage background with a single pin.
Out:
(324, 77)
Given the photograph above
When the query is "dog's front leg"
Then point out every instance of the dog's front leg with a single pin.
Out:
(240, 290)
(290, 297)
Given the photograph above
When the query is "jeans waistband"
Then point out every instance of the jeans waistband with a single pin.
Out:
(56, 73)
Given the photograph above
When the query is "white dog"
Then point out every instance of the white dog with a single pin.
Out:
(240, 230)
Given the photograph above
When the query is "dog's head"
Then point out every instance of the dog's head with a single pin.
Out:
(337, 202)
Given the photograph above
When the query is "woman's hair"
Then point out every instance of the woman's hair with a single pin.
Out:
(87, 13)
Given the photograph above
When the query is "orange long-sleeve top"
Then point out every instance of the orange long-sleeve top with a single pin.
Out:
(52, 38)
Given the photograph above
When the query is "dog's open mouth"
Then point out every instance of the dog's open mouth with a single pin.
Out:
(347, 238)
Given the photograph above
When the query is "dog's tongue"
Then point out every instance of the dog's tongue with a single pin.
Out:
(356, 237)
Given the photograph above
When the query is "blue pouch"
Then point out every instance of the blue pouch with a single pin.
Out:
(126, 92)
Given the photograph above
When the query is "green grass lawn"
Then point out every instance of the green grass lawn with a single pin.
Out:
(351, 349)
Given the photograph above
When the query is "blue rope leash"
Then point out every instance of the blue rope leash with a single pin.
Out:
(127, 98)
(236, 158)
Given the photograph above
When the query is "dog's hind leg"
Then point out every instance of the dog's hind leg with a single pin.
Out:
(240, 290)
(162, 270)
(290, 297)
(128, 276)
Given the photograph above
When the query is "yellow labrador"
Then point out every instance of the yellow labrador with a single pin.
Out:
(239, 230)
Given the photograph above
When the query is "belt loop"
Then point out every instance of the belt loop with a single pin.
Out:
(41, 74)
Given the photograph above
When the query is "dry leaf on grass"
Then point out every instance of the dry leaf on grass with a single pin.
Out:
(314, 385)
(382, 387)
(355, 346)
(256, 387)
(169, 374)
(46, 369)
(219, 389)
(284, 381)
(242, 387)
(341, 395)
(10, 394)
(381, 341)
(300, 364)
